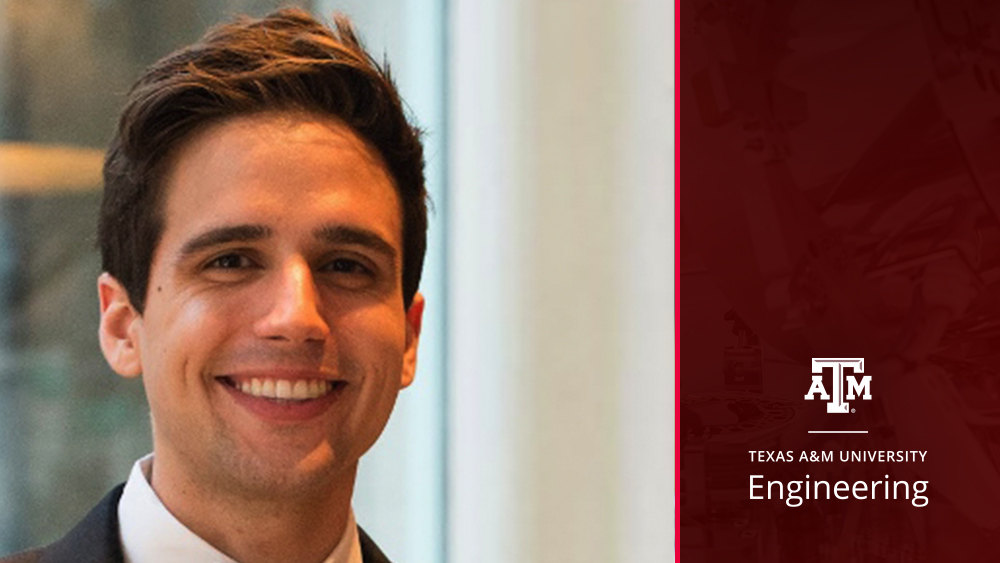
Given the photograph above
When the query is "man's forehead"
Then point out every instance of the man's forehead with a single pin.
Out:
(271, 168)
(244, 137)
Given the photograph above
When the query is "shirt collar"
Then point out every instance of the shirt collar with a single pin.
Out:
(151, 534)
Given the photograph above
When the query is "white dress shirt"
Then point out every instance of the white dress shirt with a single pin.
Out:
(151, 534)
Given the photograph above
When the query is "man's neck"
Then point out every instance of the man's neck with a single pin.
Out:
(259, 527)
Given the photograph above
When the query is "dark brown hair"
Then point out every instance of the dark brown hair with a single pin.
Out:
(284, 61)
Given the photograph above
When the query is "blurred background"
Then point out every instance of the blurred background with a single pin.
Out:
(540, 426)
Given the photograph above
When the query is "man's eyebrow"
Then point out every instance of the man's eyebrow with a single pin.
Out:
(223, 235)
(341, 234)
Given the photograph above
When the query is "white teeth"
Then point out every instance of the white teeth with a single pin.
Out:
(283, 389)
(297, 390)
(300, 390)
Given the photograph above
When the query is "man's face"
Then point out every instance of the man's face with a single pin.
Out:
(274, 339)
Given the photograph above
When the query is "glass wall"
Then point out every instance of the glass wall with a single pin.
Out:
(69, 428)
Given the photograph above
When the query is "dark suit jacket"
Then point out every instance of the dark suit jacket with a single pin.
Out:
(95, 540)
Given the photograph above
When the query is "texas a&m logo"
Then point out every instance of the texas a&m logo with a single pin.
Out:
(844, 386)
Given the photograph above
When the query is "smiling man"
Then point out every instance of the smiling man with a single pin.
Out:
(262, 235)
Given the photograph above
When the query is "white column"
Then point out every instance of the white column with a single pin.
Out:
(486, 273)
(646, 165)
(560, 280)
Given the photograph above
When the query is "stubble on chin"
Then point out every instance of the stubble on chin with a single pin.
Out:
(280, 475)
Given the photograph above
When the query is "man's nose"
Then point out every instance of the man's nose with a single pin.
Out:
(294, 314)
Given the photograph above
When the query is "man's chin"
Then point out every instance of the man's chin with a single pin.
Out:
(283, 474)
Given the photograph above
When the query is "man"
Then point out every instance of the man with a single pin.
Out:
(262, 234)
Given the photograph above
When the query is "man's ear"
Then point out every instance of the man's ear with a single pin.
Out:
(118, 329)
(414, 319)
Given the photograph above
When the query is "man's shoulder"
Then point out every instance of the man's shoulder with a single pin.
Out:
(96, 540)
(93, 540)
(370, 553)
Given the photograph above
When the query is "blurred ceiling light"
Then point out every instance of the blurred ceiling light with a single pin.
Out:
(30, 167)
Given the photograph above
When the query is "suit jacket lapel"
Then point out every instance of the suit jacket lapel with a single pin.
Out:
(94, 540)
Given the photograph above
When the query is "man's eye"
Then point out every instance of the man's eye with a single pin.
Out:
(229, 262)
(346, 266)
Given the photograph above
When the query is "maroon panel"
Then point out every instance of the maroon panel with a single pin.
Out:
(839, 280)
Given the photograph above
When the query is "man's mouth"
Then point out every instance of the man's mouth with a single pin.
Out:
(284, 389)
